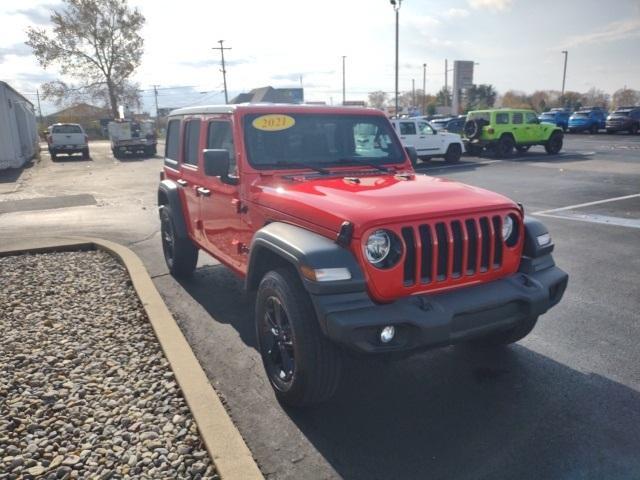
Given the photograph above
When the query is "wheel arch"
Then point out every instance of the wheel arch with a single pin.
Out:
(169, 195)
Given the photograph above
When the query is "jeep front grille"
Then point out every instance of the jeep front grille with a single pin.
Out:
(453, 249)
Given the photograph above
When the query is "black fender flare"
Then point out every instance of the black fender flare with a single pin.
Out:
(301, 247)
(169, 194)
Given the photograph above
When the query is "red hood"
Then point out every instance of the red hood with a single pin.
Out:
(375, 200)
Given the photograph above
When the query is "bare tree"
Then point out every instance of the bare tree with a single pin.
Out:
(378, 99)
(626, 97)
(96, 42)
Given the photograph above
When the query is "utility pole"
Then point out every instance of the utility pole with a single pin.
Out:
(396, 6)
(222, 48)
(424, 88)
(344, 94)
(564, 74)
(155, 94)
(39, 108)
(446, 81)
(413, 92)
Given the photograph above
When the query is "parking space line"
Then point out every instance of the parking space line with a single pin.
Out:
(594, 218)
(588, 204)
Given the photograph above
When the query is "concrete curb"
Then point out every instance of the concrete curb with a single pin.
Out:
(225, 445)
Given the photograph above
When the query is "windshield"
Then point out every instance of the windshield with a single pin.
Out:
(66, 129)
(274, 140)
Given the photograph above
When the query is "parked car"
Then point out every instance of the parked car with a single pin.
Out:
(590, 119)
(427, 141)
(131, 136)
(340, 243)
(501, 130)
(558, 117)
(68, 139)
(624, 119)
(451, 125)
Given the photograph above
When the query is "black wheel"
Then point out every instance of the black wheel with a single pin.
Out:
(506, 337)
(153, 150)
(594, 129)
(454, 152)
(634, 129)
(554, 144)
(611, 132)
(505, 146)
(85, 154)
(523, 148)
(54, 157)
(180, 254)
(303, 366)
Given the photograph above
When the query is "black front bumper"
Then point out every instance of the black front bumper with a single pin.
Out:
(430, 320)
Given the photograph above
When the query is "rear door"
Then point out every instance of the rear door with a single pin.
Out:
(190, 173)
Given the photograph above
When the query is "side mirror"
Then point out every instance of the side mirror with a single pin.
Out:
(413, 155)
(216, 164)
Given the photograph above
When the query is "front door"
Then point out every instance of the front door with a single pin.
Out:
(190, 172)
(430, 142)
(220, 207)
(533, 128)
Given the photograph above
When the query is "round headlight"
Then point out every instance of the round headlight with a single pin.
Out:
(378, 246)
(507, 227)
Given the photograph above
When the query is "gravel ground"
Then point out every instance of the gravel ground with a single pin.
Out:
(85, 390)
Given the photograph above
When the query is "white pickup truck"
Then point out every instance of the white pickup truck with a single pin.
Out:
(427, 141)
(133, 137)
(67, 138)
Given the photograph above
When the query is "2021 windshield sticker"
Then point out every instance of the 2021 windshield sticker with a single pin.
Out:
(273, 122)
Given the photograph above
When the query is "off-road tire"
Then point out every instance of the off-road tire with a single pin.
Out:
(317, 362)
(180, 254)
(554, 144)
(473, 128)
(506, 337)
(634, 129)
(523, 148)
(454, 152)
(594, 129)
(504, 147)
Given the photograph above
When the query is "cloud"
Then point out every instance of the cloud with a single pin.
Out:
(456, 13)
(40, 15)
(421, 21)
(612, 32)
(495, 5)
(17, 49)
(208, 62)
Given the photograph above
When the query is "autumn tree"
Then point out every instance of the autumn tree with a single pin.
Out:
(626, 97)
(479, 97)
(95, 42)
(596, 98)
(378, 99)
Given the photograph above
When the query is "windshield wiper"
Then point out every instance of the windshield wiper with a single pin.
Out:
(320, 170)
(355, 161)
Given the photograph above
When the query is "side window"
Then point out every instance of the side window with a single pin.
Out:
(425, 128)
(191, 140)
(407, 128)
(173, 138)
(502, 118)
(530, 117)
(517, 118)
(220, 135)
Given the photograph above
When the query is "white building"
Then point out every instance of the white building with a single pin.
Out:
(19, 141)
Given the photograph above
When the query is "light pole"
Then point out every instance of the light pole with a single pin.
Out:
(396, 6)
(343, 81)
(424, 88)
(564, 74)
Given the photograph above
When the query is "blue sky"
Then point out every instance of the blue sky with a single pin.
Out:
(517, 44)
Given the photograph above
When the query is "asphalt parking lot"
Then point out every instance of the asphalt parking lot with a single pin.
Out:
(564, 403)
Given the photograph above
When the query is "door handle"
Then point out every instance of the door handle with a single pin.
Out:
(205, 192)
(184, 183)
(403, 138)
(422, 136)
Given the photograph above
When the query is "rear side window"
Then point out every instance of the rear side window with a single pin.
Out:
(191, 141)
(67, 129)
(407, 128)
(219, 135)
(502, 118)
(517, 118)
(173, 137)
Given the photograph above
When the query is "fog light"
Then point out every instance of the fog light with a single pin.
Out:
(387, 334)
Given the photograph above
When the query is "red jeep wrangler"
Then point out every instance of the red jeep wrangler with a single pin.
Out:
(346, 247)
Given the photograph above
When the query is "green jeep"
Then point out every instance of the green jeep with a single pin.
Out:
(500, 131)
